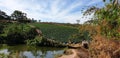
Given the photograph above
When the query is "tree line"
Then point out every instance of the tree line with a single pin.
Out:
(17, 16)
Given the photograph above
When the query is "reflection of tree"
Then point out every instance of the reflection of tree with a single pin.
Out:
(16, 54)
(34, 52)
(18, 51)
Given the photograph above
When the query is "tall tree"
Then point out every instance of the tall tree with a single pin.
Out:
(3, 15)
(19, 16)
(78, 21)
(108, 18)
(115, 2)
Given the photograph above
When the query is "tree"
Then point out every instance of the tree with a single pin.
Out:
(108, 18)
(115, 2)
(33, 20)
(3, 15)
(39, 20)
(78, 21)
(19, 16)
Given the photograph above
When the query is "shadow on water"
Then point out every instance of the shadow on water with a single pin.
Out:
(23, 51)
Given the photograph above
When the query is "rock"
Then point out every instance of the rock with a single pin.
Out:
(76, 53)
(85, 44)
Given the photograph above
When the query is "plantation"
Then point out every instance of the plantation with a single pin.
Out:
(20, 33)
(60, 33)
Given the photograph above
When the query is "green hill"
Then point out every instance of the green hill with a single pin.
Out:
(56, 31)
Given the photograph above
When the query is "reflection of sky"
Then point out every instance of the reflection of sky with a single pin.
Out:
(29, 54)
(5, 51)
(49, 54)
(66, 11)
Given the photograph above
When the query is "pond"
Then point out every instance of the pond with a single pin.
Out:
(23, 51)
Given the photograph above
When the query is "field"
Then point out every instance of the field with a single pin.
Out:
(57, 32)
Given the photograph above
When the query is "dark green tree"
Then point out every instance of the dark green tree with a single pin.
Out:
(19, 16)
(3, 15)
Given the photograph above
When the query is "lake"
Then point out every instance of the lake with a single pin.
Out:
(23, 51)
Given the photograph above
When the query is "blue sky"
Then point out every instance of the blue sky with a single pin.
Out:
(62, 11)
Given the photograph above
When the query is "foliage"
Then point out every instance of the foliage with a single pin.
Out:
(37, 40)
(1, 28)
(108, 18)
(2, 55)
(57, 32)
(17, 16)
(3, 15)
(18, 33)
(20, 16)
(86, 31)
(78, 21)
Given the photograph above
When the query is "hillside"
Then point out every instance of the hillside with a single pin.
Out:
(57, 32)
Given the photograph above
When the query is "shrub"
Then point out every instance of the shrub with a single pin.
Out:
(37, 40)
(18, 33)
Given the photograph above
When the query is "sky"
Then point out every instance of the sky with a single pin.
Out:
(62, 11)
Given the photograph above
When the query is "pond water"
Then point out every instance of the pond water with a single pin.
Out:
(23, 51)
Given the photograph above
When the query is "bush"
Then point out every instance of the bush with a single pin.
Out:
(37, 40)
(18, 33)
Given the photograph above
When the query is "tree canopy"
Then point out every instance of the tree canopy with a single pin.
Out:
(18, 15)
(3, 15)
(108, 18)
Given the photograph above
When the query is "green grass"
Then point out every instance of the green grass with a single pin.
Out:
(56, 32)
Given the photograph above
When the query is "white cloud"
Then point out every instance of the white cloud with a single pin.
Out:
(52, 10)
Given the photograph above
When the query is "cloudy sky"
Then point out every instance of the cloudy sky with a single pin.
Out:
(63, 11)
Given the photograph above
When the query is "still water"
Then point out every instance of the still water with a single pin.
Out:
(23, 51)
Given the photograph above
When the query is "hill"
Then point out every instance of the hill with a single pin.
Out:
(58, 32)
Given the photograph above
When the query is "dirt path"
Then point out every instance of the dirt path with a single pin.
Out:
(73, 55)
(76, 53)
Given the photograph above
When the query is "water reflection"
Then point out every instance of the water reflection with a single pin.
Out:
(23, 51)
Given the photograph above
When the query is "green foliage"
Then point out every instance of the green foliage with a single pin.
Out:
(57, 32)
(19, 16)
(1, 28)
(2, 55)
(18, 33)
(109, 20)
(85, 32)
(3, 15)
(37, 40)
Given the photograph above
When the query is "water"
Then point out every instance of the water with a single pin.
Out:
(23, 51)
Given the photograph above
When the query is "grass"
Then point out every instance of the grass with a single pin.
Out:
(57, 32)
(100, 47)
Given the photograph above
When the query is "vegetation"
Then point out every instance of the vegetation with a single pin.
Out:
(103, 31)
(20, 33)
(106, 22)
(17, 33)
(3, 15)
(107, 19)
(59, 32)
